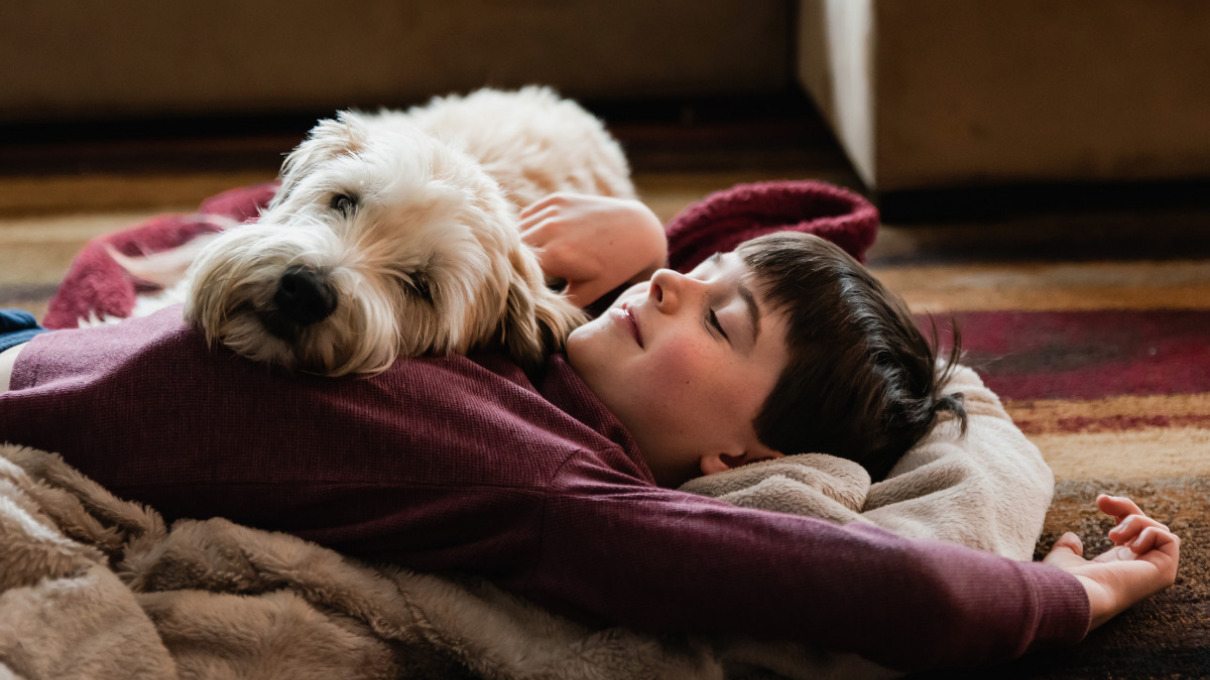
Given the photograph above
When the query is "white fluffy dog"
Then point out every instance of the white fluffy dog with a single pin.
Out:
(395, 234)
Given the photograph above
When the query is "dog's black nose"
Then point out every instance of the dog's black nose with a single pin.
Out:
(304, 296)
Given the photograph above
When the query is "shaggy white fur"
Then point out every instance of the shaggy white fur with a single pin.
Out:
(394, 234)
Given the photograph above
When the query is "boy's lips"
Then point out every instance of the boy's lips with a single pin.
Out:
(633, 322)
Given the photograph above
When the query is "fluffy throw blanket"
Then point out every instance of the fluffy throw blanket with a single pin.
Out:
(95, 587)
(96, 286)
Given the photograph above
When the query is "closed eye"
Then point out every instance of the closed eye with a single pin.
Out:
(344, 204)
(416, 283)
(712, 319)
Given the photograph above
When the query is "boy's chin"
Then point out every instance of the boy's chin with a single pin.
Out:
(576, 346)
(581, 339)
(589, 354)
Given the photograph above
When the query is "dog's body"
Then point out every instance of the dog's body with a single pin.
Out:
(394, 234)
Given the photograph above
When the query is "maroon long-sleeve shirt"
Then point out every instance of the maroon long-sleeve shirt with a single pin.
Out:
(466, 464)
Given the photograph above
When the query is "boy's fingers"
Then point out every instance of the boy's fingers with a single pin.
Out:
(550, 201)
(1145, 541)
(1131, 526)
(1139, 522)
(1169, 543)
(1068, 550)
(534, 221)
(1072, 542)
(1118, 506)
(1156, 538)
(536, 206)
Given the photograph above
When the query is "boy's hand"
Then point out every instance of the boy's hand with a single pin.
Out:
(1142, 563)
(595, 243)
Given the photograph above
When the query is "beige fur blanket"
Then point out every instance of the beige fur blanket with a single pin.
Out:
(988, 490)
(95, 587)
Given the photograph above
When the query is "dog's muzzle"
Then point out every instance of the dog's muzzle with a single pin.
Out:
(304, 297)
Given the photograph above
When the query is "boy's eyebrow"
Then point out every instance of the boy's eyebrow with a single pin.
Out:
(753, 309)
(749, 299)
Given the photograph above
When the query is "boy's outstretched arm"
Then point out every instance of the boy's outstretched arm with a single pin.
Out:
(1143, 562)
(668, 561)
(594, 243)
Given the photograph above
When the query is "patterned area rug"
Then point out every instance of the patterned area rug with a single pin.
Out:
(1118, 400)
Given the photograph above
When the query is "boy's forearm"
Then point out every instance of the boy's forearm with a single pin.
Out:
(721, 570)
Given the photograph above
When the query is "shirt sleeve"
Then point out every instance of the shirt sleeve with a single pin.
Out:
(661, 560)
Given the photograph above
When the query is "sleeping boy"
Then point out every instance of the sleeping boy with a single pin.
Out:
(554, 483)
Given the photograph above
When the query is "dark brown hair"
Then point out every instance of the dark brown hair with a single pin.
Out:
(862, 382)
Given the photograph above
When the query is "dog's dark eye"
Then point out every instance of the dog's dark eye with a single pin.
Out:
(418, 284)
(344, 204)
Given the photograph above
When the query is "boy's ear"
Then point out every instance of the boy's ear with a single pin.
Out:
(721, 462)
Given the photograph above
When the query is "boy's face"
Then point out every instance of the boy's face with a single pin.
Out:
(686, 362)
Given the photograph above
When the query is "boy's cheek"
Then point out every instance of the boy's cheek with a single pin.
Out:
(676, 365)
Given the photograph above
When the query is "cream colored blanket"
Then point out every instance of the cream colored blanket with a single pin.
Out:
(95, 587)
(988, 490)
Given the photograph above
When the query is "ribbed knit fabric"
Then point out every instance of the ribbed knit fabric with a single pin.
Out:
(727, 218)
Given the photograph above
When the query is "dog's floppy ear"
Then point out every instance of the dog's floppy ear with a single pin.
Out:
(331, 137)
(537, 320)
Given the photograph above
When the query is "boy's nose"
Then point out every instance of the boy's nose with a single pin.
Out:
(667, 287)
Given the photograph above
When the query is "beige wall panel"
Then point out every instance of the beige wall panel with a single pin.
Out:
(960, 92)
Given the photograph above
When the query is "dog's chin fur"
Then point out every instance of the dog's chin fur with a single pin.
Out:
(430, 261)
(234, 280)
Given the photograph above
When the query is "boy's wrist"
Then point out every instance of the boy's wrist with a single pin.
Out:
(1100, 601)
